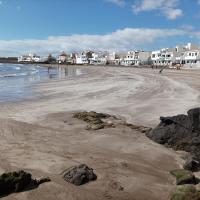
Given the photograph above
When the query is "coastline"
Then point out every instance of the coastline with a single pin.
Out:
(42, 137)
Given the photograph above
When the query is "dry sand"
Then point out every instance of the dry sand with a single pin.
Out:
(42, 137)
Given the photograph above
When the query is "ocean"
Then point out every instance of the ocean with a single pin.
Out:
(17, 80)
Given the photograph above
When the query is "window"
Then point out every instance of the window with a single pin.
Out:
(153, 56)
(195, 54)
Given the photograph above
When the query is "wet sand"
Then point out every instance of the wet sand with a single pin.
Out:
(42, 137)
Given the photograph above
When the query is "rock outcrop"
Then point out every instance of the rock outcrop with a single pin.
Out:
(181, 132)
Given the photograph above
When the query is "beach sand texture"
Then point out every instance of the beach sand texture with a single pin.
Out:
(42, 137)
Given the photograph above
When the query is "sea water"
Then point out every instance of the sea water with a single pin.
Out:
(16, 80)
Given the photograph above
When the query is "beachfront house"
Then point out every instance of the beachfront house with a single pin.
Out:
(182, 54)
(73, 58)
(190, 58)
(97, 59)
(156, 57)
(63, 58)
(112, 58)
(82, 59)
(29, 58)
(163, 57)
(136, 58)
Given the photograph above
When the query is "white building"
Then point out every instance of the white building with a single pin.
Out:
(113, 58)
(136, 58)
(190, 58)
(29, 58)
(98, 59)
(188, 55)
(81, 59)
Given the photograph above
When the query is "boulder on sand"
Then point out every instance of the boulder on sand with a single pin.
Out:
(181, 132)
(79, 175)
(14, 182)
(18, 182)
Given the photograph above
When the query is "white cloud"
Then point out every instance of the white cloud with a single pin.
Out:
(117, 2)
(120, 40)
(166, 7)
(172, 13)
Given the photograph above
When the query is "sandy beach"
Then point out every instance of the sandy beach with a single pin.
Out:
(41, 136)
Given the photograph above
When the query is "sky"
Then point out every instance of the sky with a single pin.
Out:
(53, 26)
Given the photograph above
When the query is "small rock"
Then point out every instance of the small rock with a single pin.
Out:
(184, 177)
(95, 127)
(191, 164)
(42, 180)
(79, 175)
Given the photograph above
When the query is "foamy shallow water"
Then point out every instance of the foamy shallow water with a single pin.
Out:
(16, 81)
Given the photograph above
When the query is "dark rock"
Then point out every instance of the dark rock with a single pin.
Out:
(194, 117)
(18, 182)
(14, 182)
(183, 177)
(181, 132)
(79, 175)
(191, 164)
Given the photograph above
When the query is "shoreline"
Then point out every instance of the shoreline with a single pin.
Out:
(112, 90)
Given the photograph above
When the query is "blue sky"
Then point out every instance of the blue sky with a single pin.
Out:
(50, 26)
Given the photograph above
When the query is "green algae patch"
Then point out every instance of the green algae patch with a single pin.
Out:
(94, 120)
(183, 176)
(186, 192)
